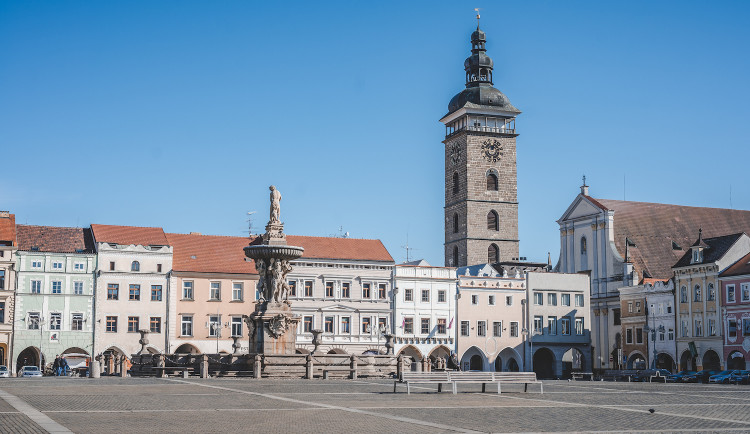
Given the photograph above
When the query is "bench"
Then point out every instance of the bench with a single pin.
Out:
(162, 370)
(614, 374)
(409, 378)
(350, 371)
(524, 378)
(582, 375)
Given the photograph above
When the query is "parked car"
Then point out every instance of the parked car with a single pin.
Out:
(677, 378)
(31, 371)
(4, 371)
(700, 376)
(739, 377)
(721, 378)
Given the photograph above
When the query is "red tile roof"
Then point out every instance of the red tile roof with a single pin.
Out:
(127, 235)
(340, 248)
(55, 239)
(739, 268)
(8, 229)
(210, 254)
(654, 226)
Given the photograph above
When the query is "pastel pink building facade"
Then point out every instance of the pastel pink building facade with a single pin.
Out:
(735, 293)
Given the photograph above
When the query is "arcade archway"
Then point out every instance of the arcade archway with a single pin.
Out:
(572, 361)
(687, 361)
(187, 349)
(475, 363)
(711, 361)
(736, 360)
(664, 361)
(636, 361)
(544, 363)
(29, 357)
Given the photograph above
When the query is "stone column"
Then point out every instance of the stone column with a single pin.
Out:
(204, 366)
(400, 366)
(257, 366)
(94, 367)
(123, 367)
(353, 365)
(309, 367)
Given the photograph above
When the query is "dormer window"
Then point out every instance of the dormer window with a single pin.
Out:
(135, 266)
(697, 256)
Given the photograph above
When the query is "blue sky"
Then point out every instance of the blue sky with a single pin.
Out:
(180, 114)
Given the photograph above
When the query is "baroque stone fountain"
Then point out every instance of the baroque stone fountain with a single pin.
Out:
(273, 326)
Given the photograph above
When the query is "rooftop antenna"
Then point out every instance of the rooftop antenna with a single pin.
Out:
(250, 223)
(407, 248)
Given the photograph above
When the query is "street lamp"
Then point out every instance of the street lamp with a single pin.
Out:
(216, 328)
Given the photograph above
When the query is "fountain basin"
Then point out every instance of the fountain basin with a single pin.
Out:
(263, 251)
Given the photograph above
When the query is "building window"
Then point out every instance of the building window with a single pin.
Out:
(33, 321)
(552, 299)
(113, 291)
(712, 327)
(481, 328)
(474, 299)
(36, 286)
(538, 324)
(441, 296)
(329, 289)
(36, 264)
(638, 335)
(425, 296)
(464, 328)
(538, 299)
(730, 294)
(497, 329)
(214, 326)
(2, 312)
(382, 291)
(514, 329)
(583, 245)
(669, 307)
(155, 292)
(134, 293)
(366, 291)
(366, 325)
(55, 321)
(158, 268)
(441, 326)
(133, 324)
(732, 328)
(292, 288)
(638, 307)
(710, 292)
(630, 307)
(408, 325)
(579, 300)
(328, 325)
(57, 265)
(491, 300)
(746, 327)
(565, 326)
(76, 323)
(111, 266)
(112, 324)
(307, 324)
(455, 223)
(455, 182)
(683, 294)
(493, 254)
(425, 324)
(345, 322)
(455, 256)
(491, 182)
(155, 324)
(345, 291)
(135, 266)
(215, 294)
(308, 288)
(78, 266)
(187, 292)
(509, 300)
(382, 323)
(493, 221)
(237, 291)
(78, 288)
(579, 326)
(565, 299)
(552, 325)
(408, 295)
(57, 287)
(236, 326)
(186, 325)
(670, 334)
(629, 336)
(684, 328)
(697, 293)
(745, 290)
(698, 328)
(616, 316)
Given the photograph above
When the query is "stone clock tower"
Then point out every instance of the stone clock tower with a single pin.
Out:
(481, 198)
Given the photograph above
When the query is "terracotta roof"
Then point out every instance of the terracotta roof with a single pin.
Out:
(210, 254)
(341, 248)
(55, 239)
(595, 202)
(8, 229)
(127, 235)
(654, 226)
(738, 268)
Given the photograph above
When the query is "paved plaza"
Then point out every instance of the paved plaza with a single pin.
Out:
(333, 406)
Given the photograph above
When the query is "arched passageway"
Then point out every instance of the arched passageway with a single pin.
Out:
(687, 361)
(572, 361)
(544, 363)
(664, 361)
(475, 363)
(29, 357)
(636, 361)
(736, 361)
(498, 364)
(415, 355)
(513, 366)
(711, 361)
(187, 349)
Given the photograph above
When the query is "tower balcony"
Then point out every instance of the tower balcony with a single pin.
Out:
(481, 124)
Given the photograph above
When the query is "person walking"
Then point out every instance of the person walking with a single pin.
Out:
(56, 366)
(64, 367)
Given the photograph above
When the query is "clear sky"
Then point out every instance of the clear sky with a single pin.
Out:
(180, 114)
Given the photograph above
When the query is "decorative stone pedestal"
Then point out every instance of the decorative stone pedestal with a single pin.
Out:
(273, 330)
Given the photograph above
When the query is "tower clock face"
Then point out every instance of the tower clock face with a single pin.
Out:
(492, 150)
(455, 153)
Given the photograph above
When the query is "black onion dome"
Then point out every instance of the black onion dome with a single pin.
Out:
(481, 95)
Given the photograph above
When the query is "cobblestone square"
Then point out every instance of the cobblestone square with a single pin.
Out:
(338, 406)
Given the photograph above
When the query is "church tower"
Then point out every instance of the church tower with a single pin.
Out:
(481, 198)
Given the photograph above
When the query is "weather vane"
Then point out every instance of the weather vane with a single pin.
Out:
(477, 11)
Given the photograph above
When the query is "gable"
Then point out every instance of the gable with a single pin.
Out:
(581, 207)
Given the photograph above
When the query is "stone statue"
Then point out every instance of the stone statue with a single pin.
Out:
(286, 267)
(275, 205)
(260, 265)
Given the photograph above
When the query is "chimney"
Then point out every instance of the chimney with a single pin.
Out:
(5, 214)
(195, 233)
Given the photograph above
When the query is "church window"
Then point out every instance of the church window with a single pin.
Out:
(492, 221)
(583, 245)
(455, 223)
(697, 293)
(491, 182)
(683, 295)
(455, 256)
(455, 182)
(493, 254)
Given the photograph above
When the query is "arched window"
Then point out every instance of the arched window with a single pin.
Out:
(455, 182)
(455, 223)
(455, 256)
(135, 266)
(683, 294)
(491, 182)
(710, 293)
(492, 221)
(493, 254)
(583, 245)
(697, 293)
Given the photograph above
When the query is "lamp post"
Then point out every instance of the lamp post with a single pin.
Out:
(216, 327)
